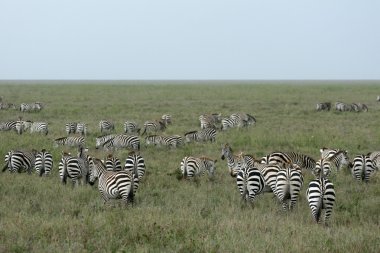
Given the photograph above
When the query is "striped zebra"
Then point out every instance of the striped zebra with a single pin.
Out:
(16, 125)
(210, 120)
(131, 127)
(81, 128)
(342, 107)
(113, 184)
(192, 167)
(303, 161)
(325, 106)
(135, 163)
(37, 106)
(233, 161)
(73, 168)
(6, 106)
(71, 141)
(167, 119)
(173, 141)
(206, 134)
(375, 157)
(122, 141)
(113, 163)
(153, 127)
(362, 168)
(36, 127)
(100, 140)
(19, 161)
(288, 185)
(321, 197)
(237, 120)
(269, 173)
(106, 126)
(43, 163)
(76, 128)
(359, 107)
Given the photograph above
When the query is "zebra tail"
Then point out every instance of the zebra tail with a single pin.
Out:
(42, 171)
(131, 193)
(143, 131)
(65, 174)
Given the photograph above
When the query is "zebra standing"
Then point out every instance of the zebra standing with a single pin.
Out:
(362, 168)
(106, 126)
(326, 106)
(8, 125)
(206, 134)
(321, 196)
(113, 163)
(342, 107)
(70, 141)
(131, 127)
(71, 127)
(210, 120)
(233, 161)
(288, 185)
(73, 168)
(303, 161)
(167, 119)
(37, 106)
(81, 128)
(375, 157)
(153, 127)
(37, 127)
(100, 140)
(269, 173)
(43, 163)
(192, 167)
(135, 163)
(113, 184)
(122, 141)
(17, 161)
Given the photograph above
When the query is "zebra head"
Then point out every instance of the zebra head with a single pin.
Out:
(226, 151)
(94, 169)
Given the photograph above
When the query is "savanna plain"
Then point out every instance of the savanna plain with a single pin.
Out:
(40, 214)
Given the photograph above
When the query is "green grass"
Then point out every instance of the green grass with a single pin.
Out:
(170, 215)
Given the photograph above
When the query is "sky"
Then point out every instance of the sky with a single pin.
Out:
(189, 39)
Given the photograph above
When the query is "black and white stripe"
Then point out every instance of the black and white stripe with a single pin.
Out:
(362, 168)
(113, 163)
(302, 160)
(206, 134)
(234, 161)
(19, 161)
(37, 127)
(210, 120)
(122, 141)
(135, 163)
(153, 127)
(325, 106)
(250, 181)
(100, 140)
(106, 126)
(37, 106)
(71, 141)
(43, 163)
(74, 168)
(131, 127)
(195, 167)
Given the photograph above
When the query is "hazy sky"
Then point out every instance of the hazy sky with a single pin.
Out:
(190, 39)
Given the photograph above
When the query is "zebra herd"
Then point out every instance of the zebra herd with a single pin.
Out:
(342, 107)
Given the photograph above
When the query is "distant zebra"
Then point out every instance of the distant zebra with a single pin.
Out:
(6, 106)
(106, 126)
(131, 127)
(321, 196)
(359, 107)
(206, 134)
(234, 161)
(210, 120)
(122, 141)
(71, 127)
(166, 119)
(73, 168)
(288, 185)
(269, 173)
(18, 161)
(192, 167)
(100, 140)
(326, 106)
(173, 141)
(37, 106)
(113, 184)
(113, 163)
(340, 106)
(303, 161)
(153, 127)
(70, 141)
(135, 163)
(375, 157)
(43, 163)
(11, 125)
(362, 168)
(238, 120)
(36, 127)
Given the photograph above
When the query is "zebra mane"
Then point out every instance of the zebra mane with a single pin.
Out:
(191, 132)
(60, 139)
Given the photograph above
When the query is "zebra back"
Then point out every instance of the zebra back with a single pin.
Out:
(362, 168)
(321, 196)
(43, 163)
(135, 163)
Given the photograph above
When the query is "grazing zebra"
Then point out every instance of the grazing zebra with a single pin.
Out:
(321, 196)
(9, 125)
(131, 127)
(233, 161)
(80, 128)
(71, 127)
(135, 163)
(74, 168)
(359, 107)
(113, 163)
(113, 184)
(269, 173)
(326, 106)
(18, 161)
(153, 140)
(192, 167)
(167, 119)
(362, 168)
(6, 106)
(210, 120)
(122, 141)
(36, 127)
(100, 140)
(106, 126)
(327, 152)
(70, 141)
(288, 185)
(43, 163)
(153, 127)
(375, 157)
(342, 107)
(206, 134)
(37, 106)
(303, 161)
(169, 141)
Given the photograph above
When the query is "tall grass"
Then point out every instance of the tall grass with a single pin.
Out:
(171, 215)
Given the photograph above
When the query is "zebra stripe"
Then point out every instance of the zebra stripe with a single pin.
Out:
(131, 127)
(326, 106)
(234, 161)
(375, 157)
(153, 127)
(18, 161)
(113, 163)
(363, 168)
(74, 168)
(288, 186)
(37, 127)
(43, 163)
(169, 141)
(303, 161)
(113, 184)
(122, 141)
(196, 167)
(100, 140)
(70, 141)
(70, 127)
(206, 134)
(106, 126)
(269, 173)
(37, 106)
(135, 163)
(210, 120)
(166, 119)
(250, 182)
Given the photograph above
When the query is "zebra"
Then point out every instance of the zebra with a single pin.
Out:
(70, 141)
(362, 168)
(8, 125)
(74, 168)
(43, 163)
(37, 106)
(206, 134)
(233, 161)
(167, 119)
(6, 106)
(210, 120)
(71, 127)
(375, 157)
(340, 106)
(131, 127)
(18, 161)
(328, 152)
(36, 127)
(288, 185)
(122, 141)
(359, 107)
(153, 140)
(321, 196)
(106, 126)
(100, 140)
(192, 167)
(113, 163)
(173, 141)
(325, 106)
(113, 184)
(303, 161)
(135, 163)
(153, 127)
(269, 173)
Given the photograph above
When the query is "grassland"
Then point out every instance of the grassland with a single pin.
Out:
(170, 215)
